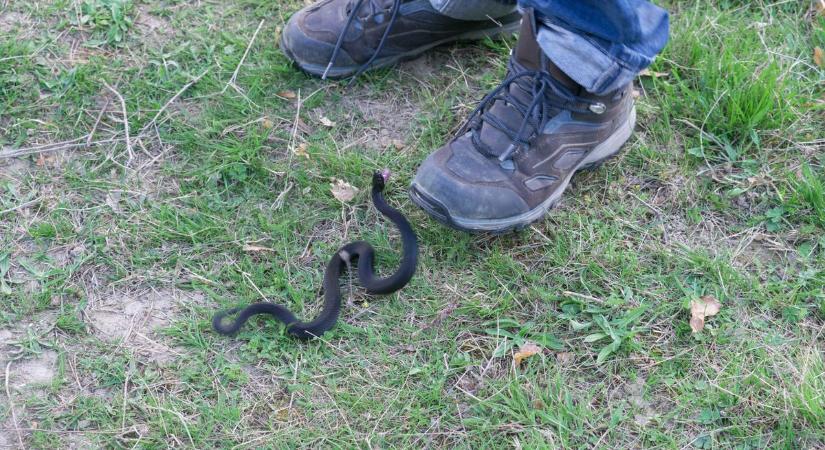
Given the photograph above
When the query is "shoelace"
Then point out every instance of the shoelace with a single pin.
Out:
(536, 114)
(396, 6)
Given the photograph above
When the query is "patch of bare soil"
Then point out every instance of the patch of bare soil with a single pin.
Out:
(153, 30)
(13, 169)
(710, 233)
(33, 372)
(132, 320)
(425, 66)
(6, 337)
(379, 123)
(11, 20)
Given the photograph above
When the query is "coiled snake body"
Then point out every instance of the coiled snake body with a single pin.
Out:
(359, 252)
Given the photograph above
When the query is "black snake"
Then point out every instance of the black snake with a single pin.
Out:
(359, 252)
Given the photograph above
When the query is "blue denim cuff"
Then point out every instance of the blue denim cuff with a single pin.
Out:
(588, 63)
(601, 44)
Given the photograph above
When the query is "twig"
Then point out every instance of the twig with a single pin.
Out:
(180, 417)
(11, 407)
(279, 201)
(655, 210)
(86, 140)
(74, 143)
(35, 148)
(125, 394)
(172, 100)
(97, 122)
(234, 78)
(20, 206)
(125, 121)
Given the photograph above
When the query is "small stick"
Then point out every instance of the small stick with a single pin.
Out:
(172, 100)
(11, 407)
(125, 120)
(97, 122)
(20, 206)
(125, 394)
(234, 78)
(53, 144)
(65, 145)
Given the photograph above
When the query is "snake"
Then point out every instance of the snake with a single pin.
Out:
(359, 254)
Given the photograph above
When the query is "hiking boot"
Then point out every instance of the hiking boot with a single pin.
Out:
(342, 38)
(516, 154)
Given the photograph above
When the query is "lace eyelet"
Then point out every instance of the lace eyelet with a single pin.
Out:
(597, 108)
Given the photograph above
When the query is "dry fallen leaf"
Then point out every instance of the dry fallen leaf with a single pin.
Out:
(301, 150)
(289, 95)
(650, 73)
(525, 351)
(326, 122)
(113, 201)
(819, 57)
(267, 124)
(706, 306)
(819, 7)
(565, 358)
(343, 191)
(398, 144)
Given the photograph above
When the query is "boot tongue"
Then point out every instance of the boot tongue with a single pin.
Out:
(528, 53)
(527, 56)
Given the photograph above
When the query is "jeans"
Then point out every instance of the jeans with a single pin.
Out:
(600, 44)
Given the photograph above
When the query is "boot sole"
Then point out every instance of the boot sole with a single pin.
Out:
(339, 72)
(601, 153)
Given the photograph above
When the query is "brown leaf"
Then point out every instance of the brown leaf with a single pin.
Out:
(301, 150)
(819, 7)
(525, 351)
(43, 160)
(819, 57)
(706, 306)
(398, 144)
(343, 191)
(565, 358)
(289, 95)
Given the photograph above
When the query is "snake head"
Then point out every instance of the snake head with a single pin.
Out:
(380, 177)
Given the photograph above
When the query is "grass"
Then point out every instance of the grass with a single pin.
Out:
(112, 263)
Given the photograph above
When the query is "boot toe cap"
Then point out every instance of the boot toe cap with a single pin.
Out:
(442, 192)
(310, 51)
